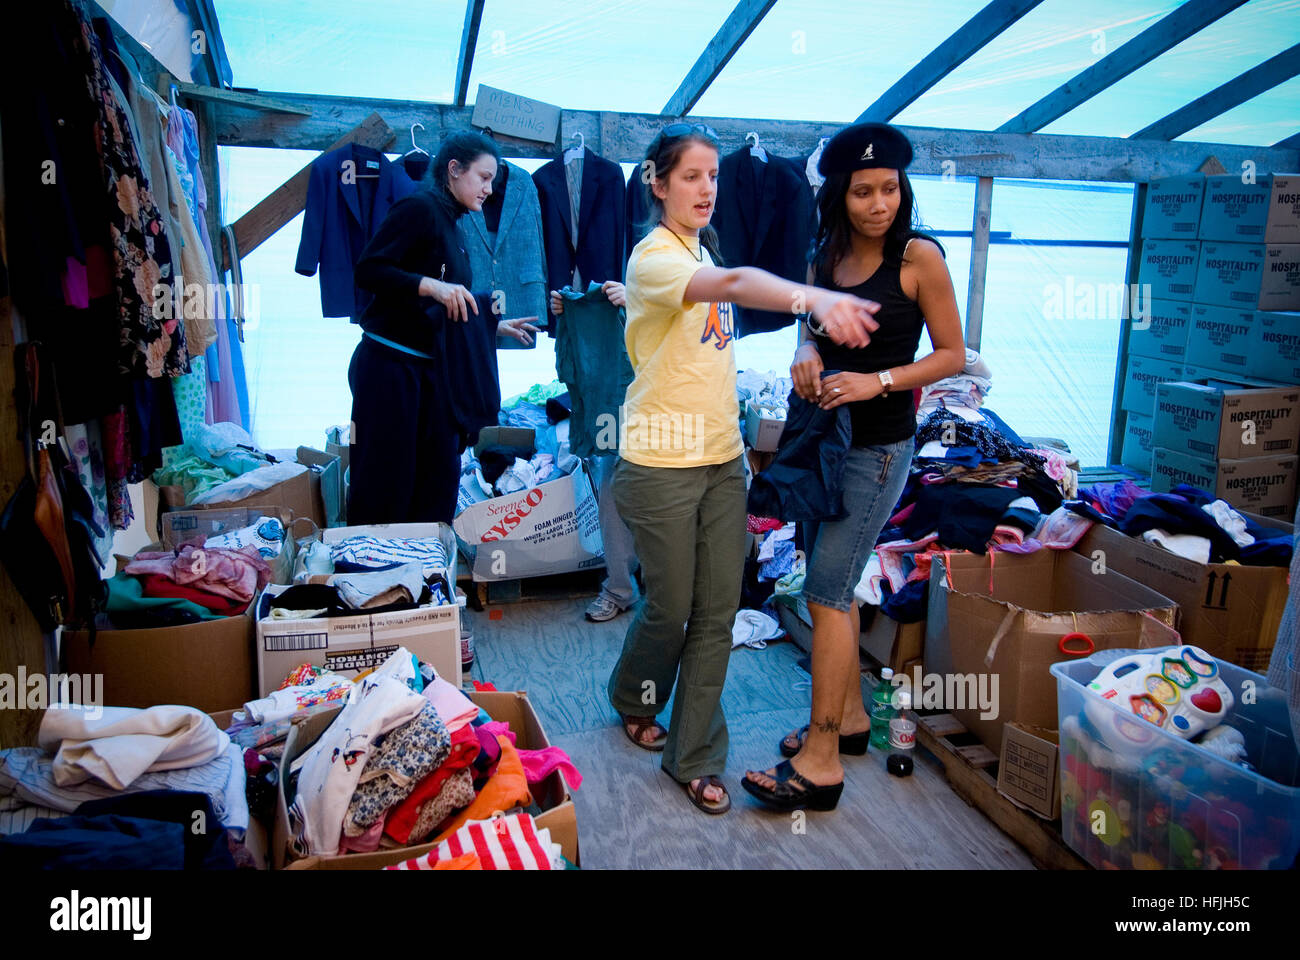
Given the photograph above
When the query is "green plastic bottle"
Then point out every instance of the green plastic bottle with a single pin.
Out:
(882, 710)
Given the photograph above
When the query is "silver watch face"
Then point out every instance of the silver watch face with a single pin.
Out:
(886, 378)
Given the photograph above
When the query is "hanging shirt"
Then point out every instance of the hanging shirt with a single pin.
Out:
(681, 408)
(573, 176)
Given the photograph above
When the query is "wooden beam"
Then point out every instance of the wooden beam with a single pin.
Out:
(740, 23)
(468, 43)
(970, 37)
(198, 22)
(623, 139)
(1169, 31)
(979, 262)
(1224, 97)
(288, 200)
(254, 101)
(1119, 416)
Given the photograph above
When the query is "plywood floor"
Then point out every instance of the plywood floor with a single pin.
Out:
(632, 815)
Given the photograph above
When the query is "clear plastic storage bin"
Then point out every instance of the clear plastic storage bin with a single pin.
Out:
(1136, 796)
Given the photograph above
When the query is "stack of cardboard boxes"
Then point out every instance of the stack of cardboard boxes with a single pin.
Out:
(1210, 395)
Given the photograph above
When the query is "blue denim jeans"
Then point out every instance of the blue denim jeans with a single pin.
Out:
(838, 550)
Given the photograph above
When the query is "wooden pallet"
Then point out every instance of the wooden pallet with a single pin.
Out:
(561, 586)
(972, 772)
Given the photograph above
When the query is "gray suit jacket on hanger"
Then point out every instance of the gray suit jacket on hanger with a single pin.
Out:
(516, 264)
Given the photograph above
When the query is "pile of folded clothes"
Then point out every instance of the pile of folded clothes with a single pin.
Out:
(116, 787)
(409, 759)
(196, 581)
(374, 574)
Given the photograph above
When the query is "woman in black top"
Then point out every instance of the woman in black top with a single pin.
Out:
(866, 245)
(424, 375)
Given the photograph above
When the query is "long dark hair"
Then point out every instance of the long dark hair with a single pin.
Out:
(661, 157)
(464, 147)
(834, 238)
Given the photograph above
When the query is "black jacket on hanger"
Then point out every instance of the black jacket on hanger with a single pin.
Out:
(764, 219)
(601, 222)
(637, 212)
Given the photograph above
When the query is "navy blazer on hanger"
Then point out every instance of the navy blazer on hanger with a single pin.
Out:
(341, 217)
(764, 219)
(601, 221)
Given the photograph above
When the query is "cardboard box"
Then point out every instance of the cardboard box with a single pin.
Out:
(1283, 210)
(1173, 207)
(296, 494)
(1275, 345)
(1279, 288)
(206, 665)
(1231, 612)
(998, 626)
(1027, 769)
(1141, 376)
(1229, 274)
(762, 429)
(892, 644)
(1168, 269)
(1220, 422)
(1136, 452)
(1220, 338)
(328, 506)
(1261, 485)
(552, 528)
(1233, 210)
(353, 644)
(1163, 334)
(551, 795)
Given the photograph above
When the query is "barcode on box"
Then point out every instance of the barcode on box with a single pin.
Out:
(297, 641)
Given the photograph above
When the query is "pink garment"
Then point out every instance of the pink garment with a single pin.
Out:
(1055, 466)
(497, 728)
(368, 842)
(902, 515)
(236, 574)
(1029, 546)
(891, 562)
(1063, 529)
(1006, 534)
(454, 708)
(538, 765)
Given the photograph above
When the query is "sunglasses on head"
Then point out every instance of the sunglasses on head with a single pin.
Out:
(682, 129)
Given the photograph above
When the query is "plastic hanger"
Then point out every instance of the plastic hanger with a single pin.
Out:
(575, 152)
(415, 147)
(755, 150)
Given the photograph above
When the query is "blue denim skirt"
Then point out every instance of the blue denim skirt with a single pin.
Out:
(838, 550)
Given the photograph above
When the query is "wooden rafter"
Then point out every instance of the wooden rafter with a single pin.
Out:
(1171, 30)
(468, 43)
(740, 23)
(970, 37)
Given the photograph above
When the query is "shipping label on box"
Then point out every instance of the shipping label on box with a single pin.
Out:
(1284, 210)
(1027, 769)
(1229, 274)
(1141, 377)
(1279, 289)
(1162, 331)
(1168, 268)
(1136, 452)
(1220, 338)
(1233, 210)
(1173, 207)
(1275, 345)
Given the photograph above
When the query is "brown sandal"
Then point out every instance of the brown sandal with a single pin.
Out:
(696, 795)
(639, 726)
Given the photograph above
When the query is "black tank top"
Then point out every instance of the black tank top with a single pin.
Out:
(882, 419)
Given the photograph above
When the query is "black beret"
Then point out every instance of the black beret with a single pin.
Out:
(865, 145)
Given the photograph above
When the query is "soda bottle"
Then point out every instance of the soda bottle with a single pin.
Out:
(882, 710)
(902, 737)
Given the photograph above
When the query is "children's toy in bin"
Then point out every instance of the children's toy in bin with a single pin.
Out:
(1177, 689)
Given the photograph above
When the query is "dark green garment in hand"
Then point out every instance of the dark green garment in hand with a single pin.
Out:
(591, 359)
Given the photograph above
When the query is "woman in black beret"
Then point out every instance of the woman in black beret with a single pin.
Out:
(867, 244)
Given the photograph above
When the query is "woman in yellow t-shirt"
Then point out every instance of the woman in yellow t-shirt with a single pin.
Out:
(680, 483)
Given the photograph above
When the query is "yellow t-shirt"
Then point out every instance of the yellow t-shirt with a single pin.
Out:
(681, 408)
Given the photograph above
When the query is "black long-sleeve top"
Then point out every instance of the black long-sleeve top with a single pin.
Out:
(417, 239)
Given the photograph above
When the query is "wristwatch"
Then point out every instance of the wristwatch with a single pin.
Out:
(886, 381)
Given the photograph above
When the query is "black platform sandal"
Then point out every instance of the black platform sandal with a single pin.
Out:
(803, 794)
(853, 745)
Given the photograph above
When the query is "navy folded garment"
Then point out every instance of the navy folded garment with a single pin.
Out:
(803, 481)
(97, 843)
(909, 605)
(204, 838)
(559, 408)
(963, 514)
(1173, 514)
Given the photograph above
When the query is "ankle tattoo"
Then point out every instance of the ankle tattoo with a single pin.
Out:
(829, 725)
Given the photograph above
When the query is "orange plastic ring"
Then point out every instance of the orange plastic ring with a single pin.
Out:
(1076, 653)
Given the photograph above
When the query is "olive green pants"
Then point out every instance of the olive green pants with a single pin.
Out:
(688, 524)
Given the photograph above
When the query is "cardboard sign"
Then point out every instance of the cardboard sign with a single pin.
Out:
(515, 116)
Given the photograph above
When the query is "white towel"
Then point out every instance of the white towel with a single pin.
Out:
(753, 629)
(121, 744)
